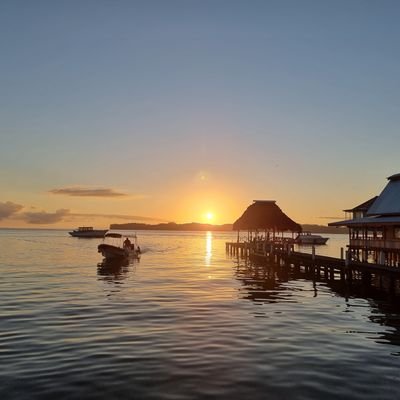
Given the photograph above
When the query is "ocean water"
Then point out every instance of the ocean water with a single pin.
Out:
(185, 322)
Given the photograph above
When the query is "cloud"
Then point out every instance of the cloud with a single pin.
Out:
(10, 209)
(7, 209)
(87, 192)
(44, 217)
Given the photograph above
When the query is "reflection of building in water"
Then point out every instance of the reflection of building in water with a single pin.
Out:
(388, 318)
(385, 310)
(267, 283)
(208, 256)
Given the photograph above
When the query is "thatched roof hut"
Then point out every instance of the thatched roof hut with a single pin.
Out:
(265, 215)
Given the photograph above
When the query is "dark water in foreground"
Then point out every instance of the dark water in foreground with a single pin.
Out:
(185, 322)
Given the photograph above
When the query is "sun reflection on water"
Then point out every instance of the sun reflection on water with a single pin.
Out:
(208, 256)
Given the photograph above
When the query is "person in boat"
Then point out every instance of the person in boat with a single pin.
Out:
(127, 243)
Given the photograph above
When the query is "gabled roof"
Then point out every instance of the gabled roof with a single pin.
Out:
(388, 202)
(265, 214)
(381, 210)
(363, 206)
(376, 221)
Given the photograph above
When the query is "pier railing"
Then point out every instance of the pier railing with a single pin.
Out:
(282, 253)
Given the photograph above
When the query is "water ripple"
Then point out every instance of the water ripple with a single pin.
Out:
(186, 322)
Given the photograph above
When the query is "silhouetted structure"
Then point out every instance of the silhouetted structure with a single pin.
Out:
(374, 228)
(265, 216)
(374, 249)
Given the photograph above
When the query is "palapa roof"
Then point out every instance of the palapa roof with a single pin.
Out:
(265, 215)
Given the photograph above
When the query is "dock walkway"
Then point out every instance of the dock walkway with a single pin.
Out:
(282, 252)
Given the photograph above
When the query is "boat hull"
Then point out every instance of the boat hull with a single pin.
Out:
(88, 234)
(311, 240)
(114, 253)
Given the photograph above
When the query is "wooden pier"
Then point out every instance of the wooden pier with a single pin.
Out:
(282, 253)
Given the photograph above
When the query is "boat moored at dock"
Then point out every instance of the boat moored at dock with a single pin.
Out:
(309, 238)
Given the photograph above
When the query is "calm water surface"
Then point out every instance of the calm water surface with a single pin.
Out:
(185, 322)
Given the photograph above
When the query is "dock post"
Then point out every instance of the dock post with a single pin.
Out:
(366, 278)
(347, 271)
(347, 260)
(317, 269)
(341, 253)
(381, 258)
(392, 285)
(342, 274)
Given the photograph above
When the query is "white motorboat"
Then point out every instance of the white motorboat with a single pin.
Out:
(88, 232)
(309, 238)
(119, 247)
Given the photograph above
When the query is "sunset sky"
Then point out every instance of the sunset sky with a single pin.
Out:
(150, 111)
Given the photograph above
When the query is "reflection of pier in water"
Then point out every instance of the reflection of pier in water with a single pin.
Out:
(263, 284)
(268, 283)
(208, 256)
(312, 266)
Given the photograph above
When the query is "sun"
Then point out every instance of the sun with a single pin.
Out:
(209, 216)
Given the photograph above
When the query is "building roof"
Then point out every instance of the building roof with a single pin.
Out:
(265, 214)
(369, 221)
(381, 210)
(363, 206)
(394, 177)
(388, 202)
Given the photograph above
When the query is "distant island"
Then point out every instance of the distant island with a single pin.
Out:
(195, 226)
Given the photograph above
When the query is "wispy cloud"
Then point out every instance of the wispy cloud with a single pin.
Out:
(87, 192)
(9, 208)
(44, 217)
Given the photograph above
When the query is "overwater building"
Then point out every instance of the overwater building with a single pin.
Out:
(265, 218)
(374, 227)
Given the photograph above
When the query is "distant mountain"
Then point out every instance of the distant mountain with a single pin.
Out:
(195, 226)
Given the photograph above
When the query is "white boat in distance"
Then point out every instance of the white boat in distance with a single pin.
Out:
(88, 232)
(118, 247)
(309, 238)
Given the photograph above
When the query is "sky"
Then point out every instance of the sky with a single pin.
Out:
(158, 111)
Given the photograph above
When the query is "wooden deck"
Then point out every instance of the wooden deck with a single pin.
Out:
(283, 253)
